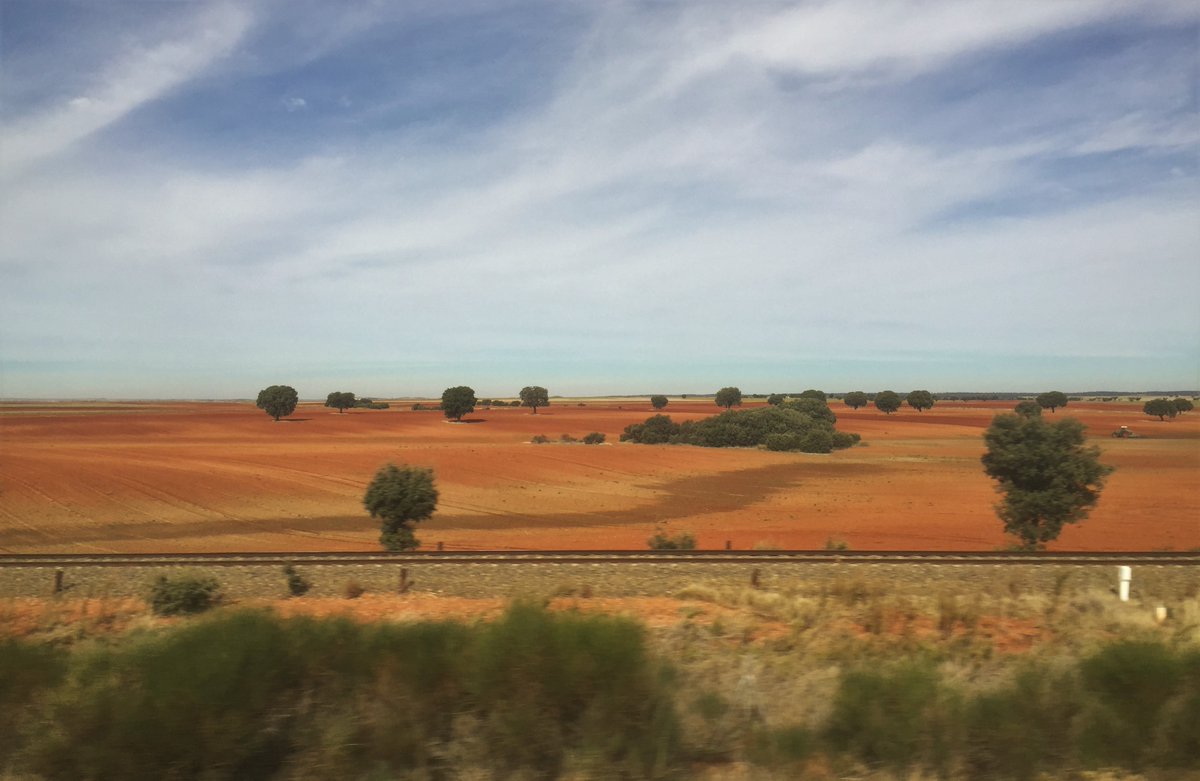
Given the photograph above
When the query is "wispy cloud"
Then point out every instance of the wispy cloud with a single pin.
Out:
(137, 74)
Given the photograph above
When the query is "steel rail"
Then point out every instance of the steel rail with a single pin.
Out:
(335, 558)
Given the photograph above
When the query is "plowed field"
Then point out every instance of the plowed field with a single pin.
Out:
(222, 477)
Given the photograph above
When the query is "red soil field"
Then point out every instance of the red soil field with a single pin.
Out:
(149, 477)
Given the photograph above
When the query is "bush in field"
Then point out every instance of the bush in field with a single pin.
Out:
(855, 399)
(1052, 400)
(341, 401)
(1163, 408)
(183, 594)
(656, 430)
(897, 716)
(534, 396)
(1132, 683)
(400, 497)
(729, 397)
(1028, 409)
(920, 400)
(594, 438)
(278, 401)
(458, 401)
(663, 541)
(365, 403)
(887, 401)
(1182, 405)
(783, 427)
(658, 401)
(540, 439)
(775, 399)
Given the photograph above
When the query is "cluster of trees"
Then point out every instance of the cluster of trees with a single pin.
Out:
(1167, 408)
(280, 401)
(805, 424)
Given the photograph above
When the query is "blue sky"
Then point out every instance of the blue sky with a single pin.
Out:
(201, 199)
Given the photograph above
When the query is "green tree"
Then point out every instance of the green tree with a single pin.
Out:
(729, 397)
(400, 497)
(855, 399)
(1047, 476)
(1028, 409)
(458, 401)
(340, 401)
(277, 401)
(534, 396)
(1182, 405)
(1052, 400)
(813, 393)
(887, 401)
(920, 400)
(658, 401)
(1163, 408)
(775, 399)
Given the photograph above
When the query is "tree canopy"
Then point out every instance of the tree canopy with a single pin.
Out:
(920, 400)
(534, 396)
(1028, 409)
(1052, 400)
(813, 393)
(729, 397)
(887, 401)
(1047, 476)
(1163, 408)
(855, 399)
(658, 401)
(458, 401)
(777, 428)
(1182, 405)
(277, 400)
(775, 399)
(400, 497)
(340, 401)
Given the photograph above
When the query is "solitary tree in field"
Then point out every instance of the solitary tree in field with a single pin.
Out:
(277, 401)
(887, 401)
(1028, 409)
(729, 397)
(855, 399)
(658, 401)
(400, 497)
(1182, 405)
(920, 400)
(1052, 400)
(340, 401)
(775, 399)
(534, 396)
(1163, 408)
(458, 401)
(1047, 476)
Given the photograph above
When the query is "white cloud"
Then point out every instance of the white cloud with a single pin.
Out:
(136, 76)
(294, 104)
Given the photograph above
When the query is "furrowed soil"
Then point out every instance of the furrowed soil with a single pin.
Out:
(151, 477)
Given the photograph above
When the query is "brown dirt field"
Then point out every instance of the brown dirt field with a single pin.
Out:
(224, 476)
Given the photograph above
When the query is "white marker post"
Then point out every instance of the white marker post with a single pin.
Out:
(1126, 575)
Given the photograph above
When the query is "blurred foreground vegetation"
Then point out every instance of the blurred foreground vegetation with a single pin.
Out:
(537, 694)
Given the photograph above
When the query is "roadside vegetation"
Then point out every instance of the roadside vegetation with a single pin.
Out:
(846, 677)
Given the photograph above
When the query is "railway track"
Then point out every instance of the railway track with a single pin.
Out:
(56, 560)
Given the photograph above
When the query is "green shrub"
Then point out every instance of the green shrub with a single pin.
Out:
(800, 424)
(782, 442)
(1022, 729)
(1131, 683)
(655, 430)
(594, 438)
(566, 438)
(27, 671)
(540, 439)
(663, 541)
(183, 594)
(897, 716)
